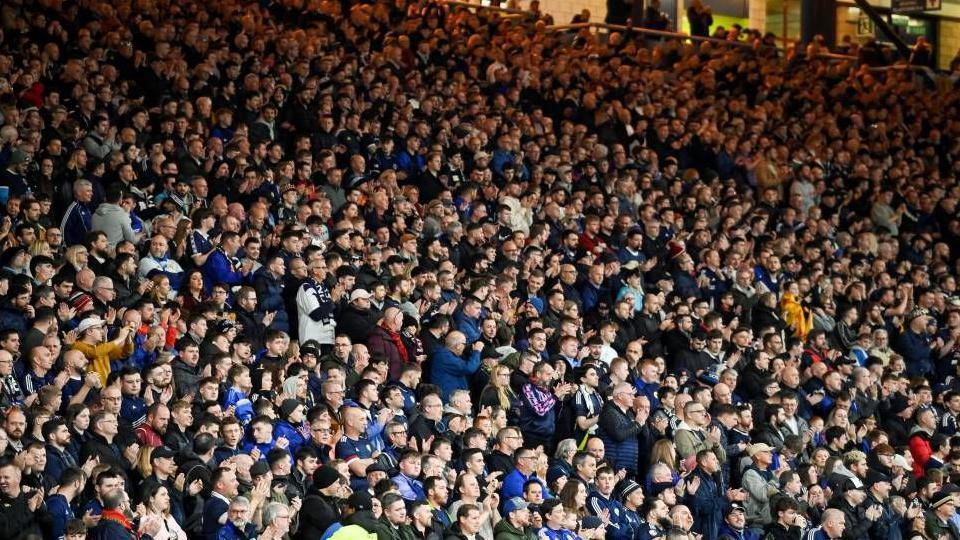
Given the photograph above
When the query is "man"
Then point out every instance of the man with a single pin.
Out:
(355, 448)
(104, 427)
(760, 484)
(509, 439)
(693, 435)
(467, 526)
(393, 523)
(59, 457)
(790, 525)
(734, 525)
(320, 508)
(78, 219)
(216, 509)
(276, 518)
(238, 525)
(427, 424)
(220, 266)
(112, 219)
(858, 516)
(69, 486)
(706, 493)
(406, 481)
(515, 524)
(316, 305)
(437, 495)
(157, 259)
(920, 438)
(619, 427)
(601, 500)
(101, 353)
(116, 521)
(21, 512)
(450, 369)
(888, 525)
(357, 317)
(151, 432)
(937, 521)
(525, 465)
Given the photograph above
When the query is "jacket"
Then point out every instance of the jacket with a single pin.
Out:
(185, 377)
(270, 298)
(315, 313)
(759, 485)
(317, 513)
(115, 222)
(538, 411)
(797, 316)
(356, 323)
(504, 530)
(618, 431)
(920, 449)
(220, 269)
(450, 371)
(16, 520)
(707, 505)
(689, 441)
(727, 532)
(379, 340)
(77, 222)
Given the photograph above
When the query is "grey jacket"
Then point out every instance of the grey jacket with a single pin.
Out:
(115, 222)
(760, 491)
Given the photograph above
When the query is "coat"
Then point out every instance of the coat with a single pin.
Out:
(318, 513)
(759, 485)
(619, 431)
(797, 316)
(450, 371)
(270, 298)
(504, 530)
(379, 340)
(707, 505)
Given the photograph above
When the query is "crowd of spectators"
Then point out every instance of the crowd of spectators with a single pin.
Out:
(400, 270)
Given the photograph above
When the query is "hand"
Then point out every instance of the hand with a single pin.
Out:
(70, 337)
(61, 379)
(268, 318)
(282, 442)
(255, 454)
(130, 453)
(91, 380)
(295, 504)
(151, 525)
(90, 520)
(90, 464)
(693, 485)
(478, 345)
(180, 482)
(195, 487)
(874, 512)
(34, 502)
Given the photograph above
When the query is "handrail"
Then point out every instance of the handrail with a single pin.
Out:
(469, 5)
(646, 31)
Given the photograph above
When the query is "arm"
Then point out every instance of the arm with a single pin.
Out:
(616, 426)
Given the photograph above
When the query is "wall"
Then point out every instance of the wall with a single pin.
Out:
(948, 35)
(564, 10)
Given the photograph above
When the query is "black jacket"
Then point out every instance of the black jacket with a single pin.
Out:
(316, 515)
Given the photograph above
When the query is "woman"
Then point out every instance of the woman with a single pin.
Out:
(156, 501)
(573, 496)
(499, 394)
(191, 292)
(562, 464)
(161, 291)
(78, 420)
(77, 258)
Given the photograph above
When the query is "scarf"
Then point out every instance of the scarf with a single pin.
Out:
(398, 341)
(113, 515)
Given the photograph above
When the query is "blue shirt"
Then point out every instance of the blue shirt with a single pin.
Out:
(133, 409)
(60, 514)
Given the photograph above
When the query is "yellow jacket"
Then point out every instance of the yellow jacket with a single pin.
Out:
(797, 317)
(101, 354)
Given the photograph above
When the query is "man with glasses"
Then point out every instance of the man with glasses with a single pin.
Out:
(509, 439)
(525, 465)
(276, 520)
(619, 426)
(692, 436)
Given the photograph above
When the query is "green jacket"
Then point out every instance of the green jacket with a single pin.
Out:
(505, 531)
(386, 531)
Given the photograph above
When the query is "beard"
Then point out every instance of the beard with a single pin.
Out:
(239, 523)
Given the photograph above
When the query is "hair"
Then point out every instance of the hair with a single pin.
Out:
(568, 497)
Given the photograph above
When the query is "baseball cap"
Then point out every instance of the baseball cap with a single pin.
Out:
(359, 294)
(513, 504)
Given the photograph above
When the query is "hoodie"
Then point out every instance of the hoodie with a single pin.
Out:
(115, 222)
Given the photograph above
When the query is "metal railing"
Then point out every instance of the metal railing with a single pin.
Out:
(480, 7)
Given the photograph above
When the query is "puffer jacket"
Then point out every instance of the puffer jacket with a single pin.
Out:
(618, 431)
(760, 486)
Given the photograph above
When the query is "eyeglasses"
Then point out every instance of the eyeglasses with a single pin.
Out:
(698, 411)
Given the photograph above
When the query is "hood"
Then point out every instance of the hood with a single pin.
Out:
(109, 209)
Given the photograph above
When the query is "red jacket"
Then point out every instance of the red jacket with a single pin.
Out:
(920, 450)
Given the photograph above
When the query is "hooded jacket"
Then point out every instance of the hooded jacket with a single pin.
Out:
(113, 220)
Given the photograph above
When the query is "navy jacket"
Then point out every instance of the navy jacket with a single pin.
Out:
(77, 222)
(619, 433)
(707, 505)
(219, 269)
